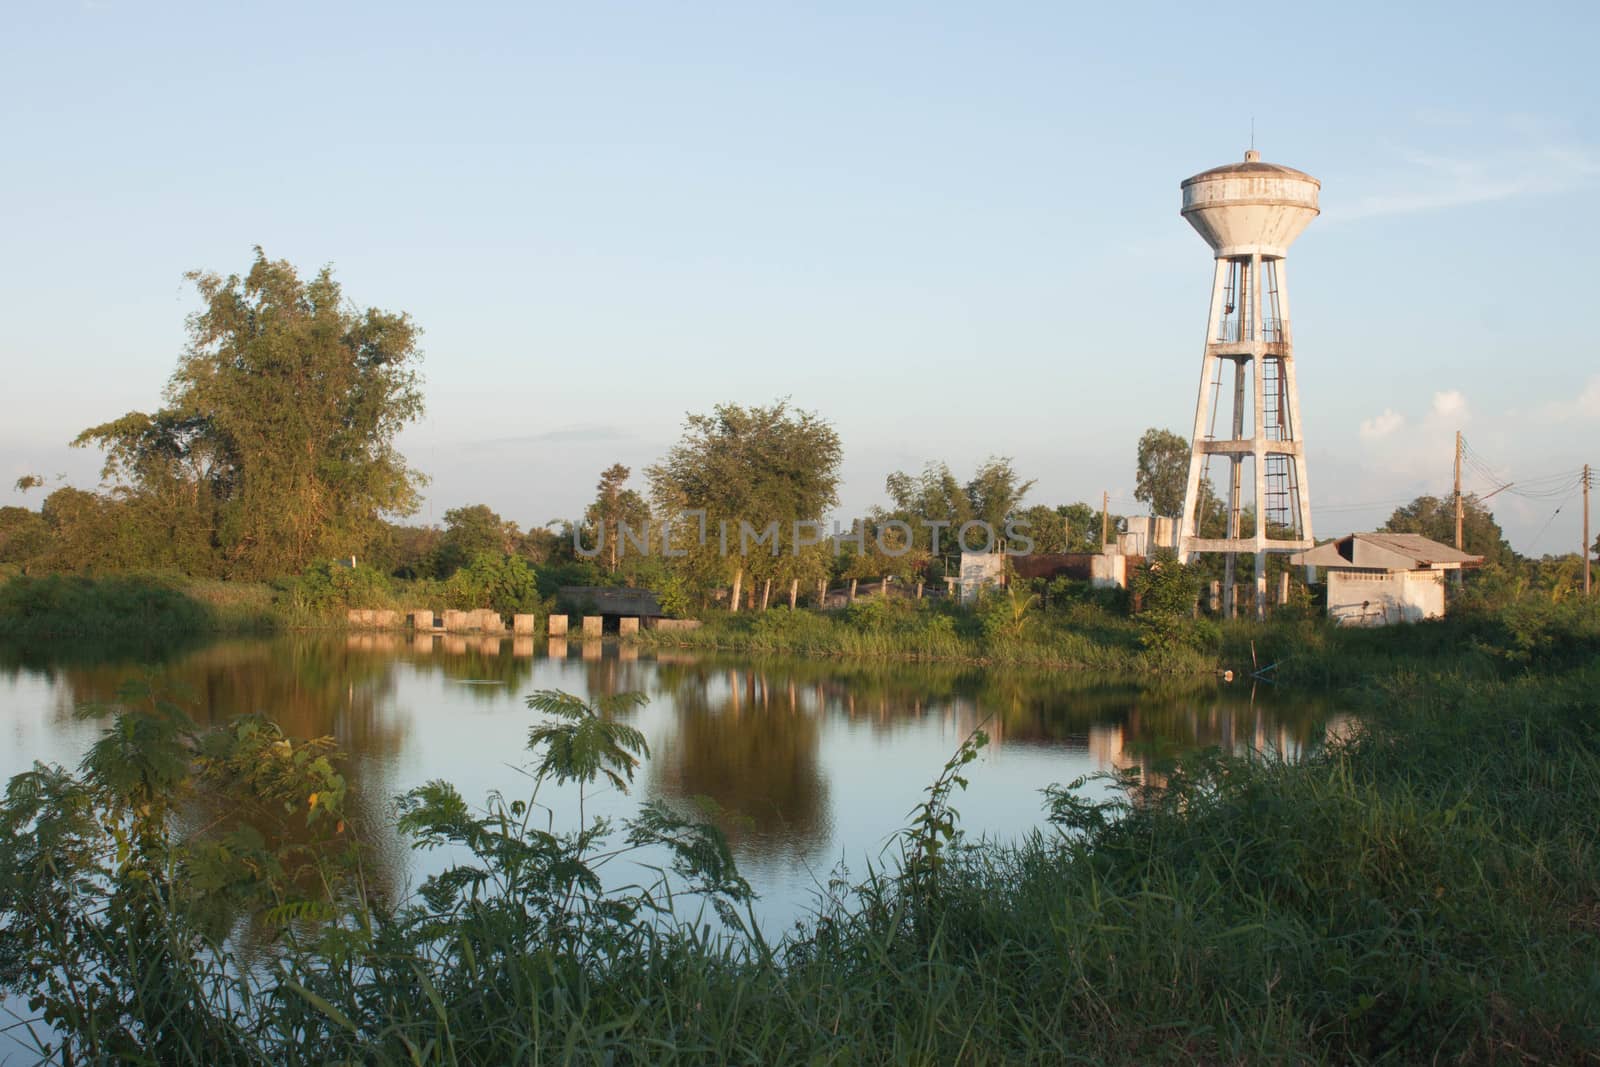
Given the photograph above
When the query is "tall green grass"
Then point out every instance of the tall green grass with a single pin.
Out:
(1089, 639)
(71, 605)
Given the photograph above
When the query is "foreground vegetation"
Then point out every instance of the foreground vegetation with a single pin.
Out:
(1425, 889)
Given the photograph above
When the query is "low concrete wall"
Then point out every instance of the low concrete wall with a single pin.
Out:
(593, 625)
(420, 619)
(387, 620)
(627, 625)
(489, 621)
(675, 624)
(556, 626)
(457, 621)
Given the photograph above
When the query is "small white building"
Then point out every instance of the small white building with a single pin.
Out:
(1375, 579)
(979, 571)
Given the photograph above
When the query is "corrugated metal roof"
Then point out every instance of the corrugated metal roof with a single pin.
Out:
(1411, 550)
(1422, 549)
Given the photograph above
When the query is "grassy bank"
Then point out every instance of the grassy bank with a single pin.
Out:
(1426, 890)
(134, 606)
(1085, 638)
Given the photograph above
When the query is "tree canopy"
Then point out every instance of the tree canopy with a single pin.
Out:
(277, 438)
(756, 465)
(1162, 473)
(615, 506)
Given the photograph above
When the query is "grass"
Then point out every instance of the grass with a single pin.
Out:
(1084, 638)
(67, 606)
(1425, 890)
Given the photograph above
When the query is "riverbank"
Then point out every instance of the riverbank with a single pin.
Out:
(1426, 888)
(137, 606)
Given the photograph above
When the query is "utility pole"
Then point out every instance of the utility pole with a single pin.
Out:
(1587, 544)
(1458, 491)
(1105, 519)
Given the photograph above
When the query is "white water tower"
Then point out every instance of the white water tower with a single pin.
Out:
(1249, 213)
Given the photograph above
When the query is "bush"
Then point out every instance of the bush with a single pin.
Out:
(328, 586)
(506, 584)
(1166, 591)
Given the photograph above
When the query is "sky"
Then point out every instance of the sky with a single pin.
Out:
(952, 229)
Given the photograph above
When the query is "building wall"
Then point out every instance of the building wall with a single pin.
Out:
(979, 571)
(1377, 598)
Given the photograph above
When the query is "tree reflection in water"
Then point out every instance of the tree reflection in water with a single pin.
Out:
(750, 734)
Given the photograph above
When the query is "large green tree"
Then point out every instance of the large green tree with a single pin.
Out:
(756, 465)
(615, 506)
(278, 432)
(470, 531)
(1162, 472)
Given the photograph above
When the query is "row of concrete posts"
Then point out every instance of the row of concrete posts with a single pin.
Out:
(483, 621)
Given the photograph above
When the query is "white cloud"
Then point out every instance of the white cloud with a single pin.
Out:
(1450, 404)
(1409, 447)
(1381, 426)
(1586, 405)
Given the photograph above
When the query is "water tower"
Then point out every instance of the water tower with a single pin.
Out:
(1249, 213)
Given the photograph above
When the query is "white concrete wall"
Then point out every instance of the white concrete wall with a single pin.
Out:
(1378, 598)
(979, 571)
(1108, 570)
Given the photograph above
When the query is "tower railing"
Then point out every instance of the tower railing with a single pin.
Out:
(1233, 331)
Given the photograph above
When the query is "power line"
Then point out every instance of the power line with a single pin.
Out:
(1535, 542)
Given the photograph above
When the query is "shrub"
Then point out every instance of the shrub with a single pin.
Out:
(506, 584)
(328, 586)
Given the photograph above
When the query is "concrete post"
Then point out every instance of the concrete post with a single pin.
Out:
(593, 625)
(456, 621)
(524, 624)
(556, 626)
(420, 620)
(627, 625)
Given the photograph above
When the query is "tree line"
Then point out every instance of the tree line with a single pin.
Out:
(274, 452)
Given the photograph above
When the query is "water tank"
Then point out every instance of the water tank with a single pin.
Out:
(1252, 207)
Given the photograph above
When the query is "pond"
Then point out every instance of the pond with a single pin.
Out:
(812, 763)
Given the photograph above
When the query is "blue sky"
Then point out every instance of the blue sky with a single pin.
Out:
(952, 228)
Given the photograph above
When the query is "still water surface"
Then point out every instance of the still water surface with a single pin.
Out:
(813, 762)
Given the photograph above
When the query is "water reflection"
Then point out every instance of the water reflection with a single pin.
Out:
(807, 760)
(748, 740)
